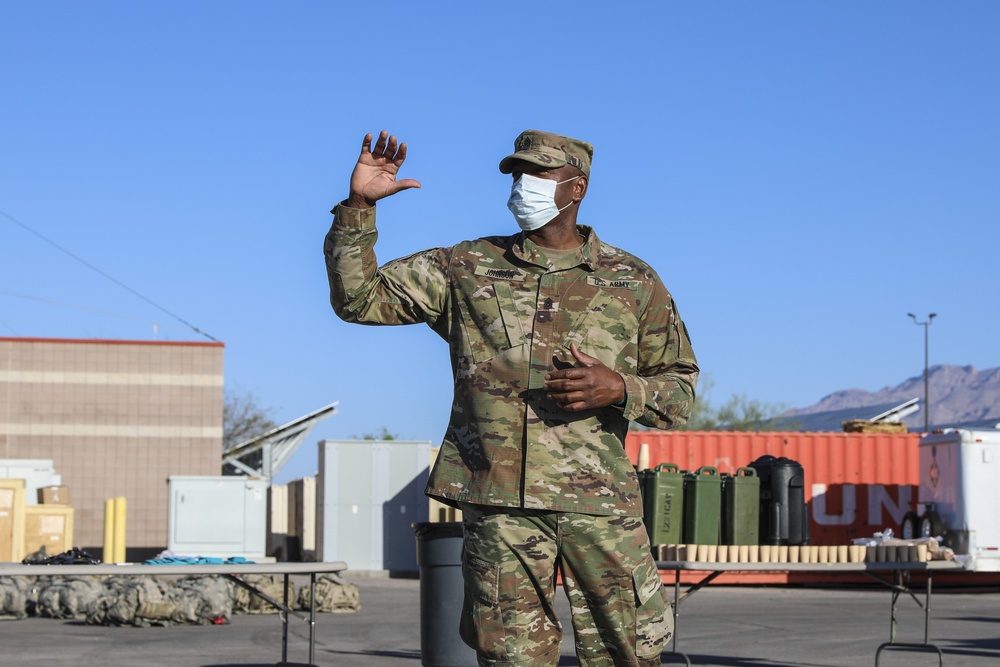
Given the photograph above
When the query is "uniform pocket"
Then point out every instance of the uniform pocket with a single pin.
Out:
(481, 626)
(654, 622)
(490, 321)
(605, 328)
(482, 580)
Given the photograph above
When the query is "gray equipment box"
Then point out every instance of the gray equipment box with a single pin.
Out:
(218, 517)
(369, 493)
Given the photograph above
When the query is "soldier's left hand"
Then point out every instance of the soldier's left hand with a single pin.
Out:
(588, 385)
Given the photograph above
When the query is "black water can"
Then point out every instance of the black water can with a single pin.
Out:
(784, 518)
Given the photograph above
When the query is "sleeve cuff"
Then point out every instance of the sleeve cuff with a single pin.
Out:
(361, 218)
(635, 397)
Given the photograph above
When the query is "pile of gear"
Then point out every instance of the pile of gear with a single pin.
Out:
(162, 601)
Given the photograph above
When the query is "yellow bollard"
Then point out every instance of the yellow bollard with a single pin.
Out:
(109, 531)
(119, 546)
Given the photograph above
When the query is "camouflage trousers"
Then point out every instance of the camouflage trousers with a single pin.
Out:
(620, 611)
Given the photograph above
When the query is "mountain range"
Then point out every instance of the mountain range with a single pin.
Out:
(960, 396)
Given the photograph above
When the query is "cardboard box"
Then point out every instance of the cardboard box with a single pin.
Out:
(11, 520)
(437, 511)
(50, 526)
(277, 519)
(302, 514)
(53, 495)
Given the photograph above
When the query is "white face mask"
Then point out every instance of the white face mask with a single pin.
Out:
(533, 201)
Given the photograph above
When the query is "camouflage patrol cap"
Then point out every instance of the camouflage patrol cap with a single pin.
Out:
(549, 150)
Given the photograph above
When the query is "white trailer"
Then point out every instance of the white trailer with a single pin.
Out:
(959, 495)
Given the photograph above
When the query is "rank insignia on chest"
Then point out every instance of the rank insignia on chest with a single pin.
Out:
(597, 281)
(500, 274)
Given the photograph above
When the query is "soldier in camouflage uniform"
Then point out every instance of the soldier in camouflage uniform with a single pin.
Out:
(557, 341)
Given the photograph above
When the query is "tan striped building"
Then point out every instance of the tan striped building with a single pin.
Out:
(117, 418)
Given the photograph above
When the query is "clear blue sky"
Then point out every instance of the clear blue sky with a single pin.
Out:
(801, 174)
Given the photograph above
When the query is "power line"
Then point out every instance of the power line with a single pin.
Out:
(105, 275)
(74, 306)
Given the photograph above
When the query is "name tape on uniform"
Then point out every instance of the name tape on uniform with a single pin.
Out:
(500, 274)
(613, 284)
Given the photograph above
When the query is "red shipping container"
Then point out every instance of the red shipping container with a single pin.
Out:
(855, 483)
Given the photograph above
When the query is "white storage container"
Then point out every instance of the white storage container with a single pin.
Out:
(36, 473)
(219, 517)
(960, 492)
(369, 493)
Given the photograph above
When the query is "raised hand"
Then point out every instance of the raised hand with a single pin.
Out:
(374, 176)
(588, 385)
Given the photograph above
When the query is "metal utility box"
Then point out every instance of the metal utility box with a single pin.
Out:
(369, 493)
(218, 517)
(702, 506)
(959, 492)
(662, 503)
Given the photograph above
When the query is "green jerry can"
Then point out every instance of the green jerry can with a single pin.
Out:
(662, 503)
(702, 506)
(741, 507)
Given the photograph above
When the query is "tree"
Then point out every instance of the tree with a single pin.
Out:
(739, 413)
(243, 418)
(703, 416)
(384, 435)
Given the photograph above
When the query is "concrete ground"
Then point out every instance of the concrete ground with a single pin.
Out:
(725, 625)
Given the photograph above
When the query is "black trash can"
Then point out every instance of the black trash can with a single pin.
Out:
(439, 557)
(783, 515)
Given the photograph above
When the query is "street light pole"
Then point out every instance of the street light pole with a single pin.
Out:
(927, 405)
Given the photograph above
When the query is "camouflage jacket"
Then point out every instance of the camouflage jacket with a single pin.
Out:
(509, 318)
